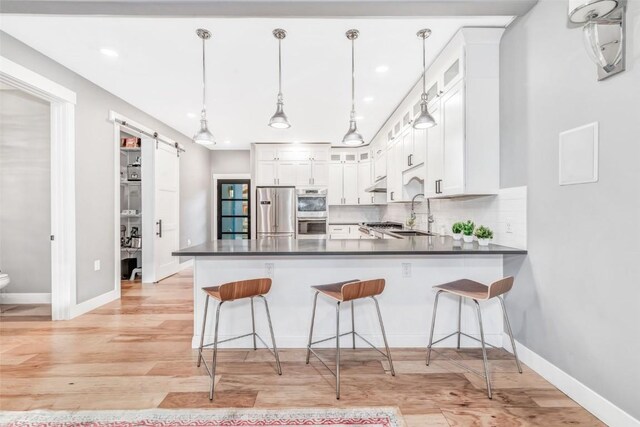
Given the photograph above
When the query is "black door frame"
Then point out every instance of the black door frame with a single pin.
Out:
(220, 183)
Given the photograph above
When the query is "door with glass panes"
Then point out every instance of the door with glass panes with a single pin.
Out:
(234, 206)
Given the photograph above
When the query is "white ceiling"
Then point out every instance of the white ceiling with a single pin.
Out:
(158, 68)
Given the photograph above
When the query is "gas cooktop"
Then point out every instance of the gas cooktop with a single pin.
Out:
(383, 225)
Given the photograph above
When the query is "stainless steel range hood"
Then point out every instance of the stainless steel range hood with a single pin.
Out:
(380, 186)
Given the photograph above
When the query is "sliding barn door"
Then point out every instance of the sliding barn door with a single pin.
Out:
(162, 217)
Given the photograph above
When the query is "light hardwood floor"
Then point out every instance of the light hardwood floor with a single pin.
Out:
(136, 353)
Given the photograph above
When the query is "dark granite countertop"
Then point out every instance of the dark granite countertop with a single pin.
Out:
(435, 245)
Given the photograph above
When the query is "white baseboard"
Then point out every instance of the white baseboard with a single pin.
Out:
(25, 298)
(606, 411)
(186, 264)
(94, 303)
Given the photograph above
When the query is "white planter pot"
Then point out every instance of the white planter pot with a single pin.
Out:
(467, 239)
(457, 236)
(484, 242)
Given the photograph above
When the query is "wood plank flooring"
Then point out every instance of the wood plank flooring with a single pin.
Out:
(136, 353)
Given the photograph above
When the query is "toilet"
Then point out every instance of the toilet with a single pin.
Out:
(4, 280)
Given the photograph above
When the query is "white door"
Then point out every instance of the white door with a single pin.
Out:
(320, 173)
(364, 181)
(452, 118)
(166, 211)
(350, 183)
(334, 195)
(303, 174)
(380, 165)
(419, 146)
(287, 173)
(406, 139)
(267, 173)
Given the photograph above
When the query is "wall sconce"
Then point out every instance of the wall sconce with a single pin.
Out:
(603, 26)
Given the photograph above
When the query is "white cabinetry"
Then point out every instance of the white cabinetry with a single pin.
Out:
(300, 165)
(460, 155)
(343, 179)
(346, 231)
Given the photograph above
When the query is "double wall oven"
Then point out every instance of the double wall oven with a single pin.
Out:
(312, 213)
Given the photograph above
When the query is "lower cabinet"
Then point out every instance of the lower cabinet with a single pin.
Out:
(346, 231)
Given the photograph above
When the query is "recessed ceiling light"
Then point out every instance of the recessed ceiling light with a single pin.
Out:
(368, 99)
(109, 52)
(227, 142)
(191, 115)
(358, 118)
(382, 68)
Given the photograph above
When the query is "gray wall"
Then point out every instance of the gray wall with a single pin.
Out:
(230, 161)
(95, 171)
(25, 192)
(577, 294)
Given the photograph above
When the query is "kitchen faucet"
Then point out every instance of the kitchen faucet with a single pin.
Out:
(430, 219)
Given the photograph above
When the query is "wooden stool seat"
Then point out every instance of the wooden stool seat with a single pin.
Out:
(341, 292)
(228, 292)
(475, 290)
(237, 290)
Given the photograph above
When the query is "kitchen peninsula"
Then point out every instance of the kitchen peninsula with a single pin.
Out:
(411, 266)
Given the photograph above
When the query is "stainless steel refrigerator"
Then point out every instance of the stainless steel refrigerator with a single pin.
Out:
(276, 212)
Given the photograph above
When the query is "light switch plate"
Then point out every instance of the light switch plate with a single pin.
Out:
(96, 265)
(406, 270)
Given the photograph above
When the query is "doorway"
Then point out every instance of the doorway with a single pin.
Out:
(56, 262)
(25, 204)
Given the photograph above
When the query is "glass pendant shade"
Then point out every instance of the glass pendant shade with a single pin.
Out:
(603, 43)
(204, 136)
(424, 120)
(353, 137)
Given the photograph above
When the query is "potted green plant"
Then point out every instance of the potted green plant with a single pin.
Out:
(467, 231)
(456, 230)
(484, 234)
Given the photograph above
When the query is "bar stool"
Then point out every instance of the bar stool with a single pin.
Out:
(230, 292)
(341, 292)
(475, 291)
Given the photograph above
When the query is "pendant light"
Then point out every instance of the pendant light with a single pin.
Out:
(204, 136)
(279, 119)
(352, 137)
(424, 120)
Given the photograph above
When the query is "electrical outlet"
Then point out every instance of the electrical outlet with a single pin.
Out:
(188, 242)
(268, 269)
(96, 265)
(406, 269)
(508, 227)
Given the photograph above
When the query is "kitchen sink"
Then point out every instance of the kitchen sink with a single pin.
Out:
(410, 233)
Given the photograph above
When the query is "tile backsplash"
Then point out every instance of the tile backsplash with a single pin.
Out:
(505, 213)
(355, 214)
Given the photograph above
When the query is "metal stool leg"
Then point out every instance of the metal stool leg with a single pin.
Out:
(384, 337)
(459, 320)
(253, 325)
(204, 325)
(513, 343)
(484, 350)
(433, 324)
(338, 350)
(273, 337)
(353, 325)
(215, 351)
(313, 317)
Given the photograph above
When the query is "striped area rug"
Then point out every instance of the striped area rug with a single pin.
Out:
(330, 417)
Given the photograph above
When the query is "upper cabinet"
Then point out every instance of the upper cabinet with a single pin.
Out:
(460, 155)
(300, 165)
